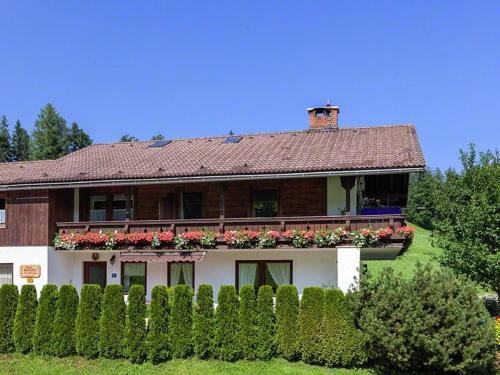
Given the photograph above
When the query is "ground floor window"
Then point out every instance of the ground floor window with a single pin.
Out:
(6, 273)
(95, 273)
(263, 272)
(133, 273)
(181, 273)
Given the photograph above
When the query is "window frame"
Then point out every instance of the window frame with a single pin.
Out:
(261, 269)
(169, 264)
(145, 285)
(4, 223)
(12, 271)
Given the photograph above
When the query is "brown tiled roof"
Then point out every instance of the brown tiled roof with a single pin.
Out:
(288, 152)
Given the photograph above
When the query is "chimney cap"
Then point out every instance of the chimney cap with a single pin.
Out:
(328, 106)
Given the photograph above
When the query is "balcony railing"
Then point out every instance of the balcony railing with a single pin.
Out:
(351, 223)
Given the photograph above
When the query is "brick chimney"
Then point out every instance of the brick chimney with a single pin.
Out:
(323, 117)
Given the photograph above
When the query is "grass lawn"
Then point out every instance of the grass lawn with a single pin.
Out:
(420, 250)
(30, 364)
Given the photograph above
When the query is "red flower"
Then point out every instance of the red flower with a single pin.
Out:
(385, 233)
(192, 236)
(120, 238)
(406, 231)
(166, 237)
(136, 238)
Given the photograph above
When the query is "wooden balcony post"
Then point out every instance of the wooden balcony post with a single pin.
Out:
(127, 204)
(222, 206)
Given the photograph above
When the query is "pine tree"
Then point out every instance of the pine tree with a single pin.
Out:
(5, 147)
(9, 296)
(24, 322)
(203, 322)
(20, 143)
(63, 336)
(77, 138)
(45, 316)
(158, 340)
(128, 138)
(158, 137)
(50, 136)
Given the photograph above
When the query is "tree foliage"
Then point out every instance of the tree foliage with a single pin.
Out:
(5, 141)
(45, 316)
(266, 324)
(227, 345)
(432, 323)
(112, 323)
(248, 322)
(135, 328)
(287, 322)
(20, 143)
(77, 138)
(24, 322)
(158, 137)
(50, 136)
(310, 320)
(204, 322)
(182, 322)
(467, 223)
(87, 321)
(158, 340)
(63, 336)
(128, 138)
(9, 296)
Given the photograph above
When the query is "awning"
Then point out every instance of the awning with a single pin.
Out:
(161, 257)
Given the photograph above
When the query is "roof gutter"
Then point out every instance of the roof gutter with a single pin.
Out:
(194, 179)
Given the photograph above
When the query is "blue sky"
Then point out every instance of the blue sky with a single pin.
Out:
(189, 68)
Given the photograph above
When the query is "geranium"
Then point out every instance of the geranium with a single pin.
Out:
(384, 235)
(66, 241)
(300, 238)
(330, 238)
(92, 239)
(140, 239)
(120, 239)
(188, 240)
(209, 240)
(241, 239)
(165, 239)
(406, 231)
(365, 237)
(268, 239)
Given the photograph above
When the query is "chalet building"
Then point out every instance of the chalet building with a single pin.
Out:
(134, 212)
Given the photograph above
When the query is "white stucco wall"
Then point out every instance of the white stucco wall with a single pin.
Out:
(18, 255)
(335, 196)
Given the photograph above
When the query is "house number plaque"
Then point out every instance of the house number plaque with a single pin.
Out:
(30, 271)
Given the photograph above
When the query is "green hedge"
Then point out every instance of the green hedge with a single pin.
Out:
(24, 322)
(158, 340)
(87, 321)
(45, 316)
(9, 296)
(181, 323)
(226, 325)
(112, 323)
(266, 326)
(248, 322)
(342, 344)
(63, 336)
(287, 322)
(203, 323)
(135, 327)
(310, 320)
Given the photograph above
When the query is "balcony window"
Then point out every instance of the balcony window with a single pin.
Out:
(181, 273)
(6, 273)
(192, 205)
(120, 207)
(133, 273)
(265, 203)
(98, 208)
(2, 211)
(263, 272)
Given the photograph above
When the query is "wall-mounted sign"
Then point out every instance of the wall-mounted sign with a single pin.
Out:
(29, 271)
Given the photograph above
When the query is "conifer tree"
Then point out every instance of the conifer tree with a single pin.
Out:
(265, 324)
(226, 324)
(77, 138)
(248, 322)
(87, 321)
(50, 136)
(112, 323)
(203, 322)
(63, 336)
(45, 316)
(24, 322)
(5, 147)
(135, 327)
(158, 340)
(9, 296)
(181, 322)
(287, 322)
(20, 143)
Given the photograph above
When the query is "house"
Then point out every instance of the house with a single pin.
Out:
(111, 202)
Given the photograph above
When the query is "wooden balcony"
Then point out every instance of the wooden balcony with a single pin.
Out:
(220, 225)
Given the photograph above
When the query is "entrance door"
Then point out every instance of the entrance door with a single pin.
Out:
(94, 273)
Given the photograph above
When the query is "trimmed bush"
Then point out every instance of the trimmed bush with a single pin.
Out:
(135, 327)
(310, 319)
(342, 343)
(266, 325)
(204, 322)
(226, 325)
(112, 323)
(24, 322)
(63, 336)
(287, 322)
(248, 322)
(87, 321)
(158, 340)
(45, 316)
(9, 295)
(181, 323)
(432, 323)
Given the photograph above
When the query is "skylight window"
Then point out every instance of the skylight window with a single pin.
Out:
(232, 139)
(160, 143)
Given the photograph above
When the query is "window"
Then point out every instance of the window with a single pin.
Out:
(120, 207)
(2, 211)
(181, 273)
(6, 273)
(192, 205)
(265, 203)
(263, 272)
(97, 208)
(133, 273)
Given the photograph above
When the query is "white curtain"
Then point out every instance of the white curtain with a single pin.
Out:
(131, 270)
(6, 274)
(247, 273)
(187, 272)
(175, 273)
(280, 272)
